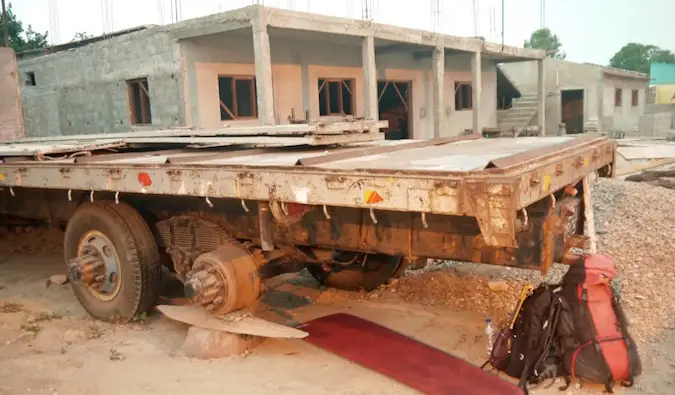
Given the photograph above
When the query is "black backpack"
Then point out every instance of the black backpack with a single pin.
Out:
(576, 330)
(529, 352)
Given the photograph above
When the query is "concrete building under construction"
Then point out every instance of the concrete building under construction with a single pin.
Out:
(261, 65)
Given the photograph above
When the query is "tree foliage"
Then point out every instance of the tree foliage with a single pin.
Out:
(546, 40)
(20, 38)
(637, 57)
(79, 36)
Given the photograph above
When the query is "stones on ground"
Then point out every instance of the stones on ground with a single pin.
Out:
(57, 279)
(498, 286)
(115, 355)
(74, 335)
(203, 343)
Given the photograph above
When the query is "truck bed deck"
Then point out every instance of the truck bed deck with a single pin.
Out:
(407, 175)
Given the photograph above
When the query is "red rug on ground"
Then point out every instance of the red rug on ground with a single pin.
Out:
(401, 358)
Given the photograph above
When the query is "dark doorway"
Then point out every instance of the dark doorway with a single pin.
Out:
(394, 106)
(572, 108)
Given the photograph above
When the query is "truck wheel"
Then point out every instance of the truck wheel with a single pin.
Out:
(377, 270)
(113, 261)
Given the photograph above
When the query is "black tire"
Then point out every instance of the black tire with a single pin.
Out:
(138, 259)
(379, 268)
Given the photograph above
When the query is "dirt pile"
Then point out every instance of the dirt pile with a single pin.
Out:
(30, 239)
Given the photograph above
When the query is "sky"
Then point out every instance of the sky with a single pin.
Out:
(590, 30)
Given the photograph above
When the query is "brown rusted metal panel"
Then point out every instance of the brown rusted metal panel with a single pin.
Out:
(317, 160)
(11, 113)
(524, 157)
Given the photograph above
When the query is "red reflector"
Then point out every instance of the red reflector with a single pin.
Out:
(295, 208)
(144, 179)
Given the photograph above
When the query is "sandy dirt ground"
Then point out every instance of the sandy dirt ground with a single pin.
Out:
(48, 344)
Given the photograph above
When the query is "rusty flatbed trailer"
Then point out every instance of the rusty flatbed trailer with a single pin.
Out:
(226, 216)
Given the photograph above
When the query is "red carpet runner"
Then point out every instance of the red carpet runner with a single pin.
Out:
(401, 358)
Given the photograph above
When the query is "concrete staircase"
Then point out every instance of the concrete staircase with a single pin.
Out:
(521, 113)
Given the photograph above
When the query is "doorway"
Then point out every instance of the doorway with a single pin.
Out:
(394, 106)
(572, 110)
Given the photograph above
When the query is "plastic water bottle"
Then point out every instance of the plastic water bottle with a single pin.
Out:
(489, 332)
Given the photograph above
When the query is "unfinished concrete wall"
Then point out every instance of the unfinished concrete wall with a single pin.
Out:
(299, 62)
(11, 116)
(85, 90)
(656, 125)
(561, 75)
(625, 116)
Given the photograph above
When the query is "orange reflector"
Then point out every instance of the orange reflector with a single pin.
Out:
(372, 197)
(144, 179)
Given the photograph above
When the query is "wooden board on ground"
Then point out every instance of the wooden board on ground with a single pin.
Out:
(237, 322)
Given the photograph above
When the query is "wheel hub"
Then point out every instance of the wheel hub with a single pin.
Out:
(224, 280)
(96, 266)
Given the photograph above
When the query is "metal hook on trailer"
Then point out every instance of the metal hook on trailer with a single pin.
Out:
(91, 196)
(424, 220)
(11, 191)
(325, 212)
(70, 195)
(117, 197)
(284, 208)
(525, 216)
(208, 201)
(372, 215)
(243, 204)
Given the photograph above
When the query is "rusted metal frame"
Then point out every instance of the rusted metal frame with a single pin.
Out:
(492, 202)
(524, 158)
(555, 175)
(321, 187)
(589, 218)
(317, 160)
(265, 226)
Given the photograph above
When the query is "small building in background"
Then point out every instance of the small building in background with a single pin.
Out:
(260, 65)
(583, 96)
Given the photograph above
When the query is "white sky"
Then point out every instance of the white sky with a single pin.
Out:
(590, 30)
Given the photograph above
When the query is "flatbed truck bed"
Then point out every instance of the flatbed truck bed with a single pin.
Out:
(225, 216)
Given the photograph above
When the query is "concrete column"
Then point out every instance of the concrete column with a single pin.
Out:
(438, 84)
(263, 72)
(541, 98)
(476, 89)
(369, 78)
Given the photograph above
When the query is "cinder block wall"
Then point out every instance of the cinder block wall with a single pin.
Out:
(656, 125)
(84, 90)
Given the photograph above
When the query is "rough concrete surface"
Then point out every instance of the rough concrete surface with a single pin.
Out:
(48, 345)
(11, 117)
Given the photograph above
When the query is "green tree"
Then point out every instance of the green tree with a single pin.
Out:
(21, 39)
(637, 57)
(79, 36)
(546, 40)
